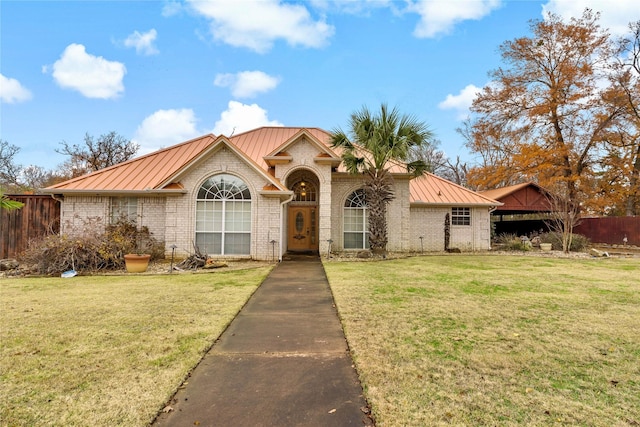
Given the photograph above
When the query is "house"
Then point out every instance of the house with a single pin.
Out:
(264, 192)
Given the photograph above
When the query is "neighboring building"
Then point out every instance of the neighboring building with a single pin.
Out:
(261, 193)
(524, 209)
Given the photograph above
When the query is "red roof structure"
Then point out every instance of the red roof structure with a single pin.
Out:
(523, 198)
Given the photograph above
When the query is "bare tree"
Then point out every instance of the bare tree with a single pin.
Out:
(109, 149)
(564, 215)
(9, 170)
(439, 164)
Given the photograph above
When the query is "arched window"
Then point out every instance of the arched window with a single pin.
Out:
(356, 223)
(223, 216)
(304, 191)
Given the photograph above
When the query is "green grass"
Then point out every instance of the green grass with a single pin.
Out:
(494, 340)
(108, 350)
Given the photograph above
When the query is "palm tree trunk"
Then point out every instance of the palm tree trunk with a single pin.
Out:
(378, 189)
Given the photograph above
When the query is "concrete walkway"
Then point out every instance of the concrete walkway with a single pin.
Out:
(283, 361)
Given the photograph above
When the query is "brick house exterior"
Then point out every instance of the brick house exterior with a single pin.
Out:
(264, 192)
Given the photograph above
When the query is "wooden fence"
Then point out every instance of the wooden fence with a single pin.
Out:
(39, 216)
(611, 230)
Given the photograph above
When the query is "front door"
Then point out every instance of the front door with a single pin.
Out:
(303, 232)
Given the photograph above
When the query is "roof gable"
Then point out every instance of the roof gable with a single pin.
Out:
(521, 198)
(273, 184)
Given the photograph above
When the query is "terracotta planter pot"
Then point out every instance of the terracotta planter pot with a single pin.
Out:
(136, 263)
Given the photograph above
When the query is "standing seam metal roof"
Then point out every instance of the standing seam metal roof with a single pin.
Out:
(150, 171)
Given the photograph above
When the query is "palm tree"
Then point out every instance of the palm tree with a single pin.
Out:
(8, 204)
(375, 141)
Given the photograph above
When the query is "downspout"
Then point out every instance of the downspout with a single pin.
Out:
(282, 225)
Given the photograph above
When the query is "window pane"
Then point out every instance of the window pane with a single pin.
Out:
(237, 243)
(209, 243)
(353, 240)
(124, 208)
(460, 216)
(353, 219)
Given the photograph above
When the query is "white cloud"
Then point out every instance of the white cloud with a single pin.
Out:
(247, 84)
(164, 128)
(92, 76)
(461, 102)
(240, 117)
(257, 24)
(143, 42)
(11, 91)
(439, 17)
(171, 8)
(615, 15)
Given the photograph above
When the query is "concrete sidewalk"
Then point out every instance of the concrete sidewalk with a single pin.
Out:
(283, 361)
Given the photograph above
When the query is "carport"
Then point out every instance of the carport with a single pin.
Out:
(524, 208)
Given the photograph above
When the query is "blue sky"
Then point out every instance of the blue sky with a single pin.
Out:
(162, 72)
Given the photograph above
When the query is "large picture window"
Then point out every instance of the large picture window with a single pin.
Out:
(356, 223)
(223, 216)
(460, 216)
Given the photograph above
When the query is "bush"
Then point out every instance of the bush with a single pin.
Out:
(579, 242)
(511, 242)
(88, 249)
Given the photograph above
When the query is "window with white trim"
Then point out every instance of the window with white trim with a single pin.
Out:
(223, 216)
(124, 208)
(356, 222)
(460, 216)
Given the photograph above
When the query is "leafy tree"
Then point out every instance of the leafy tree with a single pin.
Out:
(545, 113)
(374, 141)
(109, 149)
(618, 181)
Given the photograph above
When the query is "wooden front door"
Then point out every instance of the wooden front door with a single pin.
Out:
(303, 231)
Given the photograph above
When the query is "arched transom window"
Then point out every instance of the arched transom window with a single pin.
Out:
(356, 223)
(223, 216)
(304, 191)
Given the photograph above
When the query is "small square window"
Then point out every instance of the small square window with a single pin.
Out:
(460, 216)
(124, 208)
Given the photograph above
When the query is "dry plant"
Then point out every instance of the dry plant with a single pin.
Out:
(494, 340)
(91, 247)
(108, 350)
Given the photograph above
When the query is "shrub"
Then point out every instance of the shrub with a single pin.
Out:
(89, 249)
(578, 241)
(511, 242)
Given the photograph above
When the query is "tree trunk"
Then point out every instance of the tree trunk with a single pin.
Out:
(378, 190)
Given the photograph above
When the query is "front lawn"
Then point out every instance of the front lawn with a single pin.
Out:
(108, 350)
(494, 340)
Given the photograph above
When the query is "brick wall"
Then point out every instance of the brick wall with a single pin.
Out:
(428, 222)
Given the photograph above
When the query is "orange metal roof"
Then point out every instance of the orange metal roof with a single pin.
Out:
(432, 189)
(157, 170)
(139, 174)
(499, 193)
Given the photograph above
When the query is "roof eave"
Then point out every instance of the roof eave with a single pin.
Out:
(454, 204)
(112, 192)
